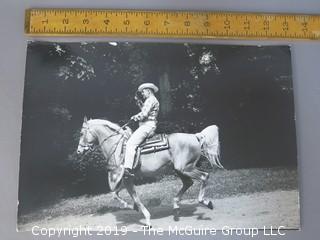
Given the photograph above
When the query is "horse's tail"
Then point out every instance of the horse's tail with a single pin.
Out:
(210, 145)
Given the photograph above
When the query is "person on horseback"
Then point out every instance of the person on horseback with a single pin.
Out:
(147, 117)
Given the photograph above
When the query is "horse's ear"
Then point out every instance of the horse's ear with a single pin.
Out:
(85, 120)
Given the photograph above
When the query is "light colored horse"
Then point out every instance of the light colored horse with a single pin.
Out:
(184, 152)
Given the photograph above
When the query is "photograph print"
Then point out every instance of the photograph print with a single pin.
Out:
(128, 134)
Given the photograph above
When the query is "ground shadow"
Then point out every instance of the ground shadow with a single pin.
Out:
(127, 217)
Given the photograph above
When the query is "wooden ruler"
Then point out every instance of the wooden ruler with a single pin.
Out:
(170, 24)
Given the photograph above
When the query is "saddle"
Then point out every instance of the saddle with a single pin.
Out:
(153, 144)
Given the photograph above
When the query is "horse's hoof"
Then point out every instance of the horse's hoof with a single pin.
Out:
(176, 214)
(210, 205)
(135, 207)
(147, 226)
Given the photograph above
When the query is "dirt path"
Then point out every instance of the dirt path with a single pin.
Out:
(277, 208)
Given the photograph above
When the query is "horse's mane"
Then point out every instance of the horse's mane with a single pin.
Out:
(104, 122)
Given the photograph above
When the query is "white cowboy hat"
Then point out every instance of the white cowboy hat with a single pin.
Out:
(148, 85)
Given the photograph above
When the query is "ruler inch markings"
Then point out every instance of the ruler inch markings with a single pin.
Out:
(176, 24)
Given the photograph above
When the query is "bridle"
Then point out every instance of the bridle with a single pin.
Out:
(90, 146)
(115, 146)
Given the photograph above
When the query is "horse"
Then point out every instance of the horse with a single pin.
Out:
(183, 154)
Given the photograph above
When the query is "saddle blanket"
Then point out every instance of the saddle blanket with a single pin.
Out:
(153, 144)
(156, 143)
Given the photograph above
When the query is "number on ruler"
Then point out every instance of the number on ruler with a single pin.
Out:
(266, 25)
(304, 26)
(65, 21)
(246, 25)
(187, 23)
(147, 22)
(85, 21)
(206, 24)
(285, 26)
(226, 24)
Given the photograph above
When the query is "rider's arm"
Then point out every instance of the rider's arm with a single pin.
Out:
(145, 110)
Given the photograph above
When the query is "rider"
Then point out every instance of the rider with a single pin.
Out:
(147, 118)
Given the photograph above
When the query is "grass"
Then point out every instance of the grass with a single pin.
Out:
(222, 184)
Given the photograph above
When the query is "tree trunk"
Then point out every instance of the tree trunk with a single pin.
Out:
(165, 94)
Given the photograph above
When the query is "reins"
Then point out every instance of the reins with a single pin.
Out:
(115, 134)
(115, 146)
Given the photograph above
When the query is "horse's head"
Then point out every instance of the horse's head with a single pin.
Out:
(87, 137)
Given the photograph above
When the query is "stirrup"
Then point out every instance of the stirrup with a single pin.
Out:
(128, 173)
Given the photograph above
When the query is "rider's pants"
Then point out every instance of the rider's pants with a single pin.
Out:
(145, 130)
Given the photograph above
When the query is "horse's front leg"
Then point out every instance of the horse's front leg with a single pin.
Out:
(123, 202)
(132, 191)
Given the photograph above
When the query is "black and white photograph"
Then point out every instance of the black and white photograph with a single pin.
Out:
(133, 134)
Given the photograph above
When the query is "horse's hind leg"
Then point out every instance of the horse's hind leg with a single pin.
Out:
(203, 177)
(187, 183)
(201, 199)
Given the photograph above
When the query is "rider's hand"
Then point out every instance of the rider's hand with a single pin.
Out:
(134, 118)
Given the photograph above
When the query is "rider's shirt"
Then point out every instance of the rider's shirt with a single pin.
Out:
(149, 110)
